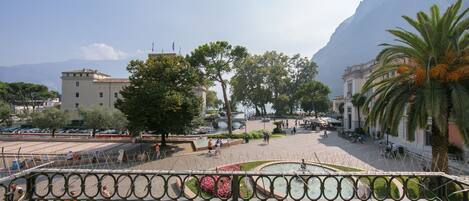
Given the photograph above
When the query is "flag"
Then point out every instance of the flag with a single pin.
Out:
(173, 46)
(152, 46)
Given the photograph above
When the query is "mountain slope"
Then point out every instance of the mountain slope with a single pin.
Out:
(356, 39)
(49, 73)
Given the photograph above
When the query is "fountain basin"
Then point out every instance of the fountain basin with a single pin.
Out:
(306, 184)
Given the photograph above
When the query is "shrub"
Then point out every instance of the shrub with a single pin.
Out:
(249, 135)
(456, 151)
(207, 183)
(277, 130)
(359, 131)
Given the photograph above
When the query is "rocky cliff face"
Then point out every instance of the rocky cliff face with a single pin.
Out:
(357, 39)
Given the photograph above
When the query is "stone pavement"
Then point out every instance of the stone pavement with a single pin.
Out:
(311, 146)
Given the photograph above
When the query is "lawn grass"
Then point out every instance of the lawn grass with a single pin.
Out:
(277, 135)
(343, 168)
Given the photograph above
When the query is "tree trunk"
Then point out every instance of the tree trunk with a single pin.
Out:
(93, 133)
(258, 113)
(359, 117)
(163, 140)
(53, 132)
(439, 150)
(227, 106)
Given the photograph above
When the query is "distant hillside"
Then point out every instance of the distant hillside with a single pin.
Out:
(49, 73)
(356, 39)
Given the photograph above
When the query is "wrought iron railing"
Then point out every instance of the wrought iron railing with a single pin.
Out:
(86, 184)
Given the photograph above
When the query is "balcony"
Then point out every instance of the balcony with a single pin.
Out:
(81, 184)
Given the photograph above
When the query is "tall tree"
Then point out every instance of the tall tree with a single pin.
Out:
(28, 95)
(50, 118)
(312, 96)
(118, 120)
(212, 100)
(358, 100)
(95, 118)
(321, 104)
(5, 112)
(248, 84)
(218, 58)
(432, 79)
(160, 97)
(301, 70)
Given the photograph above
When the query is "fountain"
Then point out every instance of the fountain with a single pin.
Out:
(300, 183)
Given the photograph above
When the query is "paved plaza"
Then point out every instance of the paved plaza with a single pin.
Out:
(58, 147)
(306, 144)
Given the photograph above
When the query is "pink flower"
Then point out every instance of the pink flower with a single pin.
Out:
(207, 183)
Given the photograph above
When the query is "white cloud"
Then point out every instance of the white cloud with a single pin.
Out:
(101, 51)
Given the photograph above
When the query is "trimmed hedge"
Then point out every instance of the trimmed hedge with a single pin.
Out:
(250, 135)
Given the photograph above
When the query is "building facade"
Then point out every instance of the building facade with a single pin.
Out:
(354, 78)
(86, 88)
(336, 102)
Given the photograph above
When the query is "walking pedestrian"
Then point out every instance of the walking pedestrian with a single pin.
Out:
(209, 146)
(325, 133)
(217, 148)
(287, 122)
(157, 150)
(294, 130)
(268, 137)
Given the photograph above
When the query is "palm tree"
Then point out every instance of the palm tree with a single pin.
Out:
(358, 100)
(431, 81)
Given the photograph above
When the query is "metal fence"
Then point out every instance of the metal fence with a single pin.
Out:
(86, 184)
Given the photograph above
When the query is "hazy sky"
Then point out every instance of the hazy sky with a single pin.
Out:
(33, 31)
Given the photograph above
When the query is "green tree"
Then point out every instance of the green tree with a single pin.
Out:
(277, 78)
(160, 97)
(301, 70)
(50, 118)
(431, 81)
(281, 104)
(248, 84)
(358, 101)
(212, 100)
(321, 104)
(218, 58)
(5, 112)
(24, 94)
(311, 95)
(118, 120)
(95, 118)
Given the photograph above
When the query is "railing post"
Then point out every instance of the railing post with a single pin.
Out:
(30, 186)
(235, 188)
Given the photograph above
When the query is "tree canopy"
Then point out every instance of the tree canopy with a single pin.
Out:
(313, 97)
(25, 94)
(272, 77)
(50, 118)
(160, 97)
(5, 113)
(217, 59)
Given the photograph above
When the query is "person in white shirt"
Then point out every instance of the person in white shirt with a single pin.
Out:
(69, 155)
